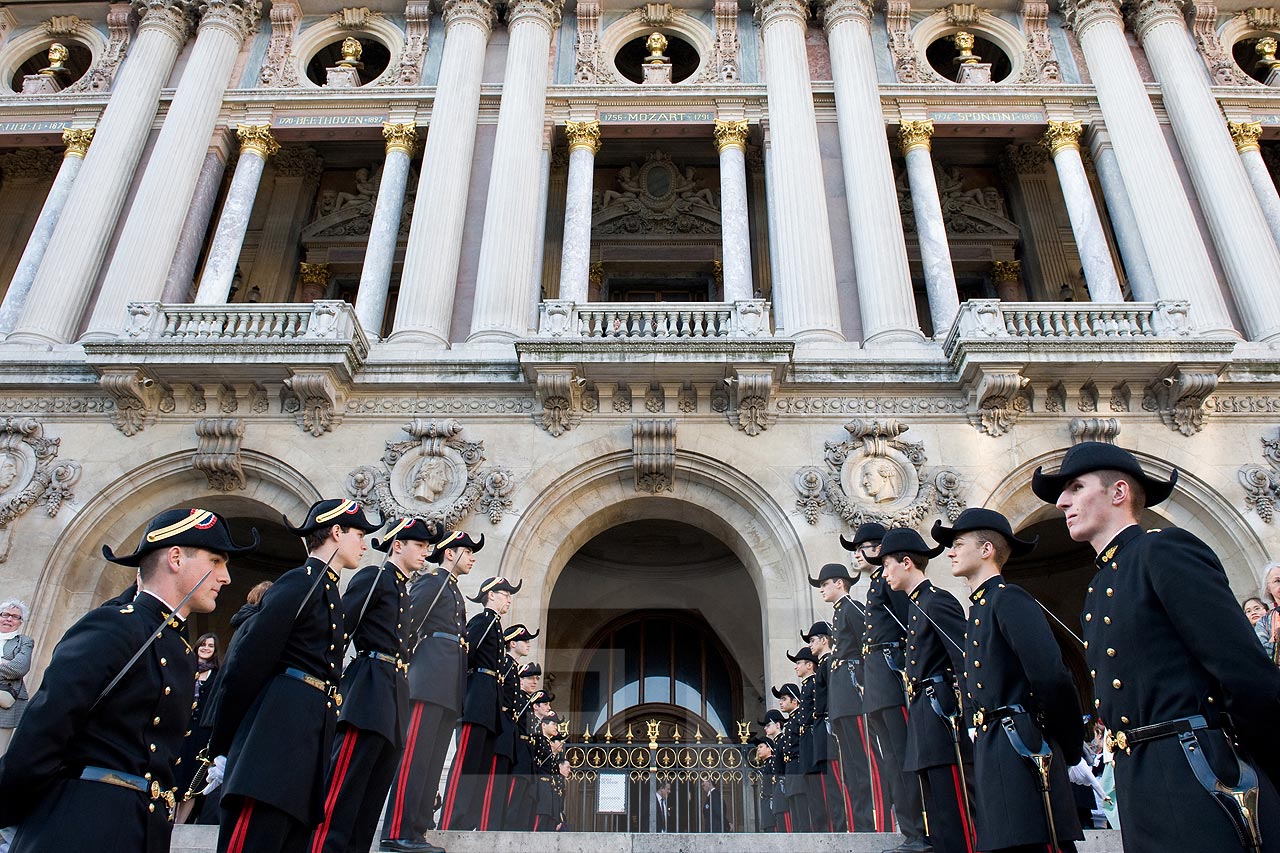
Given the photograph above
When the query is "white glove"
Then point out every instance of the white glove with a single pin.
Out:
(1080, 774)
(214, 777)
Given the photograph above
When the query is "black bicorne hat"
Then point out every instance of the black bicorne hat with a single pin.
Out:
(542, 696)
(789, 689)
(830, 571)
(529, 670)
(553, 717)
(409, 529)
(819, 629)
(757, 740)
(871, 531)
(900, 540)
(189, 528)
(455, 539)
(976, 518)
(492, 585)
(773, 715)
(803, 654)
(1089, 456)
(327, 513)
(517, 632)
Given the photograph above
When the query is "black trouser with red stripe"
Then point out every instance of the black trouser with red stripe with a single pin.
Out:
(797, 806)
(520, 803)
(860, 773)
(360, 774)
(949, 828)
(250, 826)
(496, 791)
(823, 790)
(470, 785)
(411, 806)
(889, 725)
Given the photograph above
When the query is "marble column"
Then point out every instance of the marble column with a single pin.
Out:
(1124, 224)
(384, 230)
(1249, 255)
(804, 293)
(885, 301)
(15, 298)
(735, 227)
(296, 172)
(150, 234)
(506, 283)
(424, 309)
(1063, 141)
(1246, 134)
(1179, 261)
(179, 284)
(916, 137)
(65, 280)
(256, 145)
(575, 253)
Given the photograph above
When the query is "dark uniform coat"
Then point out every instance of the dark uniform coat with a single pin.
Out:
(932, 661)
(375, 693)
(810, 745)
(439, 671)
(790, 768)
(277, 731)
(483, 703)
(509, 689)
(136, 729)
(1166, 640)
(848, 625)
(549, 797)
(882, 686)
(821, 746)
(1012, 660)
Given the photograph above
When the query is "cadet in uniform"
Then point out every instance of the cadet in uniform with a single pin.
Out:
(763, 755)
(1171, 655)
(375, 690)
(552, 769)
(935, 662)
(90, 766)
(471, 781)
(882, 688)
(437, 682)
(278, 691)
(774, 723)
(1026, 714)
(823, 777)
(791, 771)
(519, 807)
(810, 746)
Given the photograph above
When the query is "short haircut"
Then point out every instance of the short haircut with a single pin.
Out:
(998, 542)
(19, 604)
(154, 560)
(316, 538)
(1138, 495)
(1266, 575)
(920, 561)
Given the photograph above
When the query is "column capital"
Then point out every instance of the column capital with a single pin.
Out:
(731, 134)
(1080, 15)
(175, 18)
(583, 134)
(1063, 134)
(915, 134)
(315, 275)
(835, 12)
(772, 11)
(1146, 15)
(1245, 135)
(544, 12)
(1006, 272)
(239, 18)
(77, 141)
(258, 139)
(400, 137)
(478, 13)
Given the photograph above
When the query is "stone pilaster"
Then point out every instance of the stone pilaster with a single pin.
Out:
(575, 257)
(424, 309)
(1245, 135)
(735, 229)
(1063, 141)
(506, 282)
(384, 230)
(256, 145)
(64, 282)
(916, 137)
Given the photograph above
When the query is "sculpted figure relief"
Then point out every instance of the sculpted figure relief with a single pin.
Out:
(431, 480)
(881, 481)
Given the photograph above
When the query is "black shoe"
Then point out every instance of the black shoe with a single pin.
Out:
(408, 845)
(918, 845)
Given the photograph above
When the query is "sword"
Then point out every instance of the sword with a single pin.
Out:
(423, 623)
(1041, 761)
(888, 658)
(866, 725)
(953, 723)
(1062, 624)
(319, 577)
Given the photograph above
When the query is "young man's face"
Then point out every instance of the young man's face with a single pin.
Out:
(772, 729)
(832, 590)
(529, 683)
(763, 752)
(412, 554)
(787, 703)
(520, 648)
(350, 548)
(818, 645)
(897, 573)
(1089, 506)
(462, 559)
(866, 549)
(966, 554)
(499, 602)
(804, 668)
(541, 709)
(193, 563)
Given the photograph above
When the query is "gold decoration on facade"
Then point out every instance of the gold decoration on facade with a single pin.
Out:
(314, 274)
(258, 139)
(1266, 50)
(1063, 134)
(1245, 135)
(58, 55)
(656, 43)
(77, 141)
(595, 274)
(400, 137)
(744, 731)
(583, 134)
(964, 43)
(352, 50)
(608, 733)
(651, 731)
(1009, 272)
(630, 736)
(915, 134)
(731, 134)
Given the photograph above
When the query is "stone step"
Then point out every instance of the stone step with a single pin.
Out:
(203, 839)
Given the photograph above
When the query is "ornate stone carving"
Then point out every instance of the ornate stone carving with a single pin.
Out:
(870, 405)
(1055, 399)
(354, 17)
(218, 452)
(724, 66)
(1180, 399)
(876, 475)
(915, 134)
(544, 12)
(277, 71)
(654, 401)
(999, 401)
(1088, 402)
(1145, 14)
(751, 390)
(906, 64)
(137, 398)
(30, 473)
(1120, 397)
(653, 448)
(1063, 134)
(590, 66)
(731, 134)
(1204, 28)
(964, 14)
(417, 29)
(176, 18)
(1039, 65)
(965, 210)
(583, 134)
(315, 400)
(657, 197)
(1093, 429)
(1262, 485)
(29, 164)
(77, 142)
(1080, 15)
(1245, 134)
(100, 76)
(622, 399)
(559, 393)
(299, 161)
(258, 139)
(400, 137)
(436, 474)
(238, 17)
(769, 11)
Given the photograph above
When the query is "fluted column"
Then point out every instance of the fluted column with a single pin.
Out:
(150, 235)
(1179, 261)
(183, 276)
(804, 293)
(1245, 134)
(256, 145)
(384, 230)
(575, 254)
(15, 298)
(735, 229)
(1249, 255)
(1124, 224)
(64, 282)
(1063, 141)
(916, 137)
(424, 309)
(506, 282)
(885, 301)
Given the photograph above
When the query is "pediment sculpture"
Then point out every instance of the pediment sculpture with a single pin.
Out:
(342, 214)
(965, 210)
(656, 197)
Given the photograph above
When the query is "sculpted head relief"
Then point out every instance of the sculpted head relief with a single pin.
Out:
(432, 479)
(881, 481)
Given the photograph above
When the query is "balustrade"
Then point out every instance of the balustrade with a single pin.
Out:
(655, 320)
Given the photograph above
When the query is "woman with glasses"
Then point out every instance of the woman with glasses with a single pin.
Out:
(15, 661)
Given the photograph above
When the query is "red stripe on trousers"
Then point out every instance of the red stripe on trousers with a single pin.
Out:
(786, 820)
(397, 812)
(236, 845)
(487, 803)
(537, 819)
(844, 794)
(964, 815)
(511, 791)
(464, 737)
(340, 768)
(822, 780)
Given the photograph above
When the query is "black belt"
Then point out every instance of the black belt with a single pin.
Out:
(876, 647)
(311, 681)
(400, 665)
(913, 686)
(998, 714)
(1124, 739)
(484, 671)
(445, 635)
(134, 783)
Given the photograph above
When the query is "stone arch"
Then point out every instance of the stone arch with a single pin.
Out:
(311, 39)
(76, 577)
(709, 494)
(999, 32)
(687, 27)
(23, 46)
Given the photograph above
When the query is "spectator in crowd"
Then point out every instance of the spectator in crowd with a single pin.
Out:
(1255, 608)
(15, 662)
(1268, 626)
(207, 657)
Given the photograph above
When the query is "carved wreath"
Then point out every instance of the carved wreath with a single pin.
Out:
(435, 474)
(877, 476)
(1262, 485)
(30, 473)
